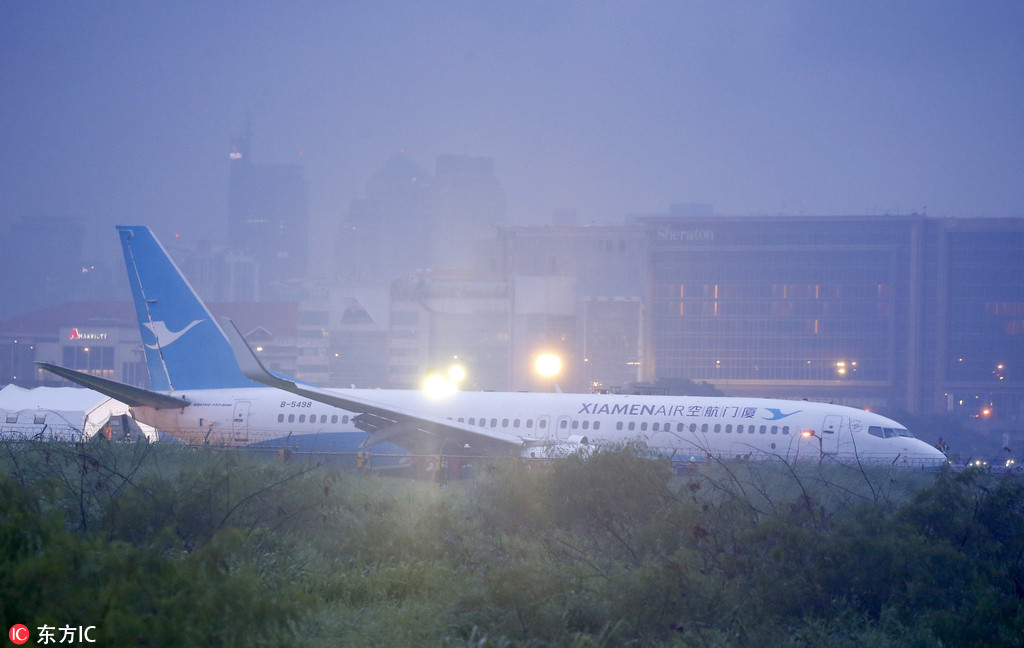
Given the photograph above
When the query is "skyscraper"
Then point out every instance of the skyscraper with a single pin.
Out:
(268, 216)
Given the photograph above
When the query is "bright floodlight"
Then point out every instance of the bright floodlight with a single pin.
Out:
(438, 386)
(456, 373)
(548, 365)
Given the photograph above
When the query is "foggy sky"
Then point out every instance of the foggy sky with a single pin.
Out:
(123, 112)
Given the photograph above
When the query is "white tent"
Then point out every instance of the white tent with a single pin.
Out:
(64, 414)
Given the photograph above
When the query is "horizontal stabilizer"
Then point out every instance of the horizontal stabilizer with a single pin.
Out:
(127, 394)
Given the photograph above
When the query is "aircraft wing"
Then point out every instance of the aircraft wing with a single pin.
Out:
(127, 394)
(383, 422)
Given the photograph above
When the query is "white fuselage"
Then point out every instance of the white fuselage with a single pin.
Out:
(682, 427)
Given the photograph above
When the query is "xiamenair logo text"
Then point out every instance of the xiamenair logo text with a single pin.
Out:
(164, 336)
(671, 411)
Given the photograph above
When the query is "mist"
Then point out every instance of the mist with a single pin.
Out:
(121, 112)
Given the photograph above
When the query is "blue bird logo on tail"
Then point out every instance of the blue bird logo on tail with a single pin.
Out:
(164, 336)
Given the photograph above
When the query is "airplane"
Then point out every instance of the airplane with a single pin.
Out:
(209, 387)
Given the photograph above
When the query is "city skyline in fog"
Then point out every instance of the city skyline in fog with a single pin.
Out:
(119, 112)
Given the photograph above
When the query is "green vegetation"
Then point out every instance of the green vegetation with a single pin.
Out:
(167, 546)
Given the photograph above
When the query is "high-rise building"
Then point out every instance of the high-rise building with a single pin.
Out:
(796, 307)
(972, 331)
(411, 220)
(384, 237)
(902, 312)
(465, 203)
(268, 216)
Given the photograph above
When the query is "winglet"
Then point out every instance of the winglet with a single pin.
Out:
(247, 361)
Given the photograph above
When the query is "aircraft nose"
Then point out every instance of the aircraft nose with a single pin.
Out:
(930, 453)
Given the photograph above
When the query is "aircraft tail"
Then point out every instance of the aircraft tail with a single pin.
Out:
(185, 347)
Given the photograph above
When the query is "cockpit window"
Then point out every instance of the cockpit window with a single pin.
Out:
(889, 433)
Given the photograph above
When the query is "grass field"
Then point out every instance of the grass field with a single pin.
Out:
(171, 546)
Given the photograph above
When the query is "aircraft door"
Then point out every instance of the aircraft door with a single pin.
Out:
(544, 430)
(830, 433)
(240, 422)
(562, 427)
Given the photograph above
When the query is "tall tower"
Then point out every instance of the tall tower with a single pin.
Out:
(466, 202)
(268, 216)
(386, 234)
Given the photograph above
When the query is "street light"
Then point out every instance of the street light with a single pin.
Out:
(807, 434)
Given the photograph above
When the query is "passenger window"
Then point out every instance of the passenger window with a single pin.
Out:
(718, 428)
(302, 418)
(632, 425)
(763, 429)
(472, 421)
(494, 423)
(280, 418)
(597, 425)
(344, 419)
(728, 429)
(775, 429)
(291, 418)
(563, 424)
(679, 427)
(618, 425)
(704, 428)
(515, 423)
(323, 418)
(643, 426)
(543, 423)
(504, 423)
(785, 429)
(586, 424)
(575, 424)
(529, 423)
(334, 418)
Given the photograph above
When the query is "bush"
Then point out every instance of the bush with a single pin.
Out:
(170, 546)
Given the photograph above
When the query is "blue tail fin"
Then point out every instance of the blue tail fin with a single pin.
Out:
(185, 347)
